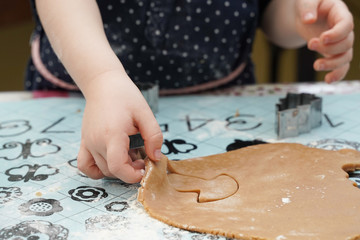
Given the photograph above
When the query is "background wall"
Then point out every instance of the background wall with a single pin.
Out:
(15, 30)
(272, 64)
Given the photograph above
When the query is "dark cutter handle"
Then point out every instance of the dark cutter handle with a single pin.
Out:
(136, 141)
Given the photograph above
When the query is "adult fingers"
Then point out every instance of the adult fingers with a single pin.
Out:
(328, 64)
(119, 162)
(86, 164)
(308, 10)
(150, 132)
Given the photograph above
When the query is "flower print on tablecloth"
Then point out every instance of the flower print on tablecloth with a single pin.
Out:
(335, 144)
(106, 222)
(35, 229)
(40, 207)
(8, 194)
(87, 194)
(117, 206)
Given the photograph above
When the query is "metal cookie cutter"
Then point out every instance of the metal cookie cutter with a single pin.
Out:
(150, 91)
(298, 113)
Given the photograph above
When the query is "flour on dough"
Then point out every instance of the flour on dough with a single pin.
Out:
(268, 191)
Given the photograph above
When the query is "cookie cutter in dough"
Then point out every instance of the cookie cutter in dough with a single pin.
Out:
(136, 144)
(150, 91)
(298, 113)
(136, 141)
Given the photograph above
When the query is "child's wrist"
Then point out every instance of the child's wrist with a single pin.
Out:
(110, 79)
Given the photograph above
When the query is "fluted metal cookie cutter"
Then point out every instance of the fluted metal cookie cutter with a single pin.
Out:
(298, 113)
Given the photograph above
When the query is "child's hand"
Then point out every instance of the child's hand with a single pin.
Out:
(327, 26)
(115, 109)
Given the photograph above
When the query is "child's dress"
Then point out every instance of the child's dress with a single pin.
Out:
(183, 45)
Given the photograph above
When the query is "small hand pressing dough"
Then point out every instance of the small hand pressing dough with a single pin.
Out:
(270, 191)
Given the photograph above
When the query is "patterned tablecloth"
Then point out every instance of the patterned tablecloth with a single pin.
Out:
(44, 196)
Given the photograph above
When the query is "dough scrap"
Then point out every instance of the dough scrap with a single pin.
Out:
(284, 191)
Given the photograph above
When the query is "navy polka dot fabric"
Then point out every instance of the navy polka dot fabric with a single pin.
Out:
(176, 43)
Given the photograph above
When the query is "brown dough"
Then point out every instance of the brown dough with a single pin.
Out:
(282, 191)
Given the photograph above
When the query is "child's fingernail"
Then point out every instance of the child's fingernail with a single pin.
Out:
(142, 172)
(157, 154)
(309, 16)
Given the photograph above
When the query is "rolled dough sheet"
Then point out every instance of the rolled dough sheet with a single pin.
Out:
(270, 191)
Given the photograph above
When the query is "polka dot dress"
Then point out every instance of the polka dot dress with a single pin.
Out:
(176, 43)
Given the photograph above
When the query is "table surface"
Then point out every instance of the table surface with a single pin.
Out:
(43, 194)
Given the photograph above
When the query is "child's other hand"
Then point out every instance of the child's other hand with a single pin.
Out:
(115, 109)
(327, 26)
